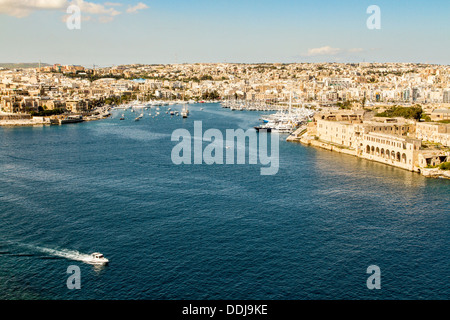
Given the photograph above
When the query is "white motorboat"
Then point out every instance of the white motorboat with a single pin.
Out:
(97, 258)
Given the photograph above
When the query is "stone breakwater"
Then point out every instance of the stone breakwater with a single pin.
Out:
(23, 120)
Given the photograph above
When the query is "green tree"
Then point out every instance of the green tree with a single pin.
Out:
(414, 112)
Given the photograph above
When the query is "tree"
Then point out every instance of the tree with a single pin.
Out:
(206, 77)
(414, 112)
(213, 95)
(444, 166)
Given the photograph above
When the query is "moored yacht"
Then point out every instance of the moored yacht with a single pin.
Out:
(185, 112)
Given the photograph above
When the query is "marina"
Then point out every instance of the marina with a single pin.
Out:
(286, 121)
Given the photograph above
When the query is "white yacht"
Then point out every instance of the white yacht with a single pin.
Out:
(185, 112)
(286, 122)
(97, 258)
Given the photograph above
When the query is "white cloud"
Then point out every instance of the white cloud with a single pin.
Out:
(330, 51)
(136, 8)
(89, 10)
(356, 50)
(324, 51)
(83, 18)
(22, 8)
(95, 8)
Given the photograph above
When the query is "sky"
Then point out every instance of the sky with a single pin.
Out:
(246, 31)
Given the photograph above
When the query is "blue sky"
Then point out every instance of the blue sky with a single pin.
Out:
(225, 31)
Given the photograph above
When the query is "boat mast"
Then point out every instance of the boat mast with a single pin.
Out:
(290, 102)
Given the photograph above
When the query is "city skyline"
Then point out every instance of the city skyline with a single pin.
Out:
(155, 32)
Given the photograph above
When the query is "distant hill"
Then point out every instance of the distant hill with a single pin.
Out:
(22, 65)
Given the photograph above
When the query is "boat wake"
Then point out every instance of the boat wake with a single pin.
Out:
(67, 254)
(62, 253)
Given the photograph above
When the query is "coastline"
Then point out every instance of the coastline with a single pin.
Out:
(26, 120)
(312, 141)
(34, 121)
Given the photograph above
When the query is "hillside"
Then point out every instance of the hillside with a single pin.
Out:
(22, 65)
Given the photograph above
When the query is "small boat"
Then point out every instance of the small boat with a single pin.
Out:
(136, 119)
(185, 112)
(122, 118)
(97, 258)
(268, 129)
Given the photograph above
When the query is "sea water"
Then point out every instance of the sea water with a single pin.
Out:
(210, 231)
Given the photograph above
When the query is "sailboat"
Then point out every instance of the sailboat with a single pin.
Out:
(185, 112)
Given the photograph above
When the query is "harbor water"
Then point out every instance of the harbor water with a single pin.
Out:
(210, 231)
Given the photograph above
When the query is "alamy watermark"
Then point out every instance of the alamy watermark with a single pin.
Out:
(374, 20)
(190, 150)
(374, 281)
(73, 21)
(74, 280)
